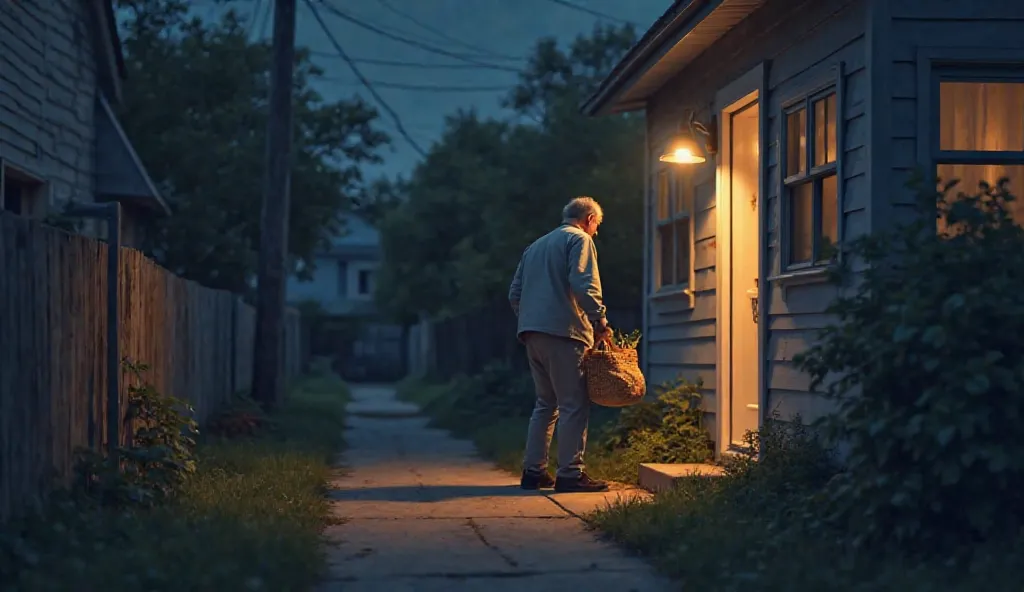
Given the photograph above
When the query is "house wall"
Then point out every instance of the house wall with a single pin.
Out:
(337, 296)
(804, 41)
(48, 86)
(909, 33)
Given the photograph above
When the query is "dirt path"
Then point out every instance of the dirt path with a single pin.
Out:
(422, 513)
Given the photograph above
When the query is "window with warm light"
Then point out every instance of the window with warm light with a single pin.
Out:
(811, 184)
(672, 224)
(981, 135)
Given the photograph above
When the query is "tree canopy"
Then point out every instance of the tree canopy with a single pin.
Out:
(489, 187)
(196, 108)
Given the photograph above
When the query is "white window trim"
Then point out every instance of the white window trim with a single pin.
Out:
(354, 268)
(835, 83)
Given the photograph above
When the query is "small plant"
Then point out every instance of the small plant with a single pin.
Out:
(244, 418)
(159, 458)
(667, 429)
(624, 340)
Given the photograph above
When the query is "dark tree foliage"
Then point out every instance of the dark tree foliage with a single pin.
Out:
(195, 107)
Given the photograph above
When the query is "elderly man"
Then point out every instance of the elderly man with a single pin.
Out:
(556, 293)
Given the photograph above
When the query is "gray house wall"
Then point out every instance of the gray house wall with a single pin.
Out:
(910, 36)
(48, 81)
(807, 43)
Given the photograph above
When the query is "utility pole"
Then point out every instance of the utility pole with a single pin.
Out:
(268, 380)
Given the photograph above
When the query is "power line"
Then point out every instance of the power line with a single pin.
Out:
(369, 86)
(412, 42)
(592, 12)
(441, 34)
(418, 87)
(419, 65)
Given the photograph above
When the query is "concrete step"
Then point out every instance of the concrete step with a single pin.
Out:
(659, 477)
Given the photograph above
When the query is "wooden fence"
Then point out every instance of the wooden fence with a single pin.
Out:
(466, 343)
(197, 341)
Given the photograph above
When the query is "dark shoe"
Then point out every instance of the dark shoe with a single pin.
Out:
(581, 484)
(531, 480)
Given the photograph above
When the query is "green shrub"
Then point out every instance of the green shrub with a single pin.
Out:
(927, 367)
(668, 429)
(159, 458)
(498, 391)
(730, 532)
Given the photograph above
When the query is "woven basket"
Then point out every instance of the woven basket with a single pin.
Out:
(613, 376)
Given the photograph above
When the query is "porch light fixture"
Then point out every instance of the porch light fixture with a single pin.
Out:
(682, 148)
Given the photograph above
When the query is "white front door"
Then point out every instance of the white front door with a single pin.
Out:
(744, 172)
(738, 266)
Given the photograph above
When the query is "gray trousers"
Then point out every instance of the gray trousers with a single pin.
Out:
(562, 399)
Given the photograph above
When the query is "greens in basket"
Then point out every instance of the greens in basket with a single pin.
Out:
(626, 340)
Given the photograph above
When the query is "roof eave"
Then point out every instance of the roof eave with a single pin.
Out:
(644, 55)
(153, 201)
(109, 53)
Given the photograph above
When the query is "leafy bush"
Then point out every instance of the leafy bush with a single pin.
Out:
(161, 454)
(927, 367)
(244, 417)
(753, 529)
(498, 391)
(668, 429)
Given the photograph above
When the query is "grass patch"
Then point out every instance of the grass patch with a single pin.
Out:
(250, 518)
(492, 410)
(757, 528)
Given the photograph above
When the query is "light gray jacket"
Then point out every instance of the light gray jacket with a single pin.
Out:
(557, 287)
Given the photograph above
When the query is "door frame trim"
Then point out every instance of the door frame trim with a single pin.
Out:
(751, 86)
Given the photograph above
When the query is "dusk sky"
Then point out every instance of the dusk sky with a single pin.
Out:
(491, 33)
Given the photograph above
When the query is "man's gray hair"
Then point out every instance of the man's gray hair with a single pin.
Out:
(579, 208)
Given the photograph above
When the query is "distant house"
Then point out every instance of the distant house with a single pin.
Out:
(61, 70)
(343, 285)
(808, 117)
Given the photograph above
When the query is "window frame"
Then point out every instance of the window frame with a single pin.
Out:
(811, 174)
(37, 200)
(369, 281)
(676, 180)
(1012, 72)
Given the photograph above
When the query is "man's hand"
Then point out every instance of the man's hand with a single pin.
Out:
(602, 331)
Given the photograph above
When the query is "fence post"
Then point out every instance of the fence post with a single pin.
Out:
(111, 214)
(234, 345)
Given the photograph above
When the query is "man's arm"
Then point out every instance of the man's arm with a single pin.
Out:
(585, 280)
(515, 291)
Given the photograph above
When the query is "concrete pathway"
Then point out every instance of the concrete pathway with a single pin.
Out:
(422, 513)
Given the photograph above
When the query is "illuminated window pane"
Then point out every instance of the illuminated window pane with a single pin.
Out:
(982, 116)
(666, 262)
(662, 193)
(801, 216)
(825, 130)
(682, 229)
(970, 175)
(796, 142)
(829, 215)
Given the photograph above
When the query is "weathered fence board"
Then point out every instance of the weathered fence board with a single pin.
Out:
(197, 341)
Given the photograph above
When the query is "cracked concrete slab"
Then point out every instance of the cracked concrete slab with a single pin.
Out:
(423, 512)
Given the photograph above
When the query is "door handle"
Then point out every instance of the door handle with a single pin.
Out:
(753, 295)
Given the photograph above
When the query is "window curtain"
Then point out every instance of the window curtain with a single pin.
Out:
(987, 117)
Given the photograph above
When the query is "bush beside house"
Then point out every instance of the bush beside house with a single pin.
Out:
(925, 366)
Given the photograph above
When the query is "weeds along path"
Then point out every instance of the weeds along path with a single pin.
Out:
(420, 511)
